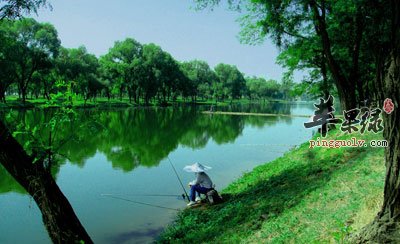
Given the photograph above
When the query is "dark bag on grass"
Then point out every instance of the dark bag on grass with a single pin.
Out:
(213, 197)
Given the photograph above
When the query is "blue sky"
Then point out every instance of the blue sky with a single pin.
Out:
(172, 24)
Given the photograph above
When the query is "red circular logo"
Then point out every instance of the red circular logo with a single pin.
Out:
(388, 106)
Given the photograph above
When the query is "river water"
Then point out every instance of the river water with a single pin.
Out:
(113, 157)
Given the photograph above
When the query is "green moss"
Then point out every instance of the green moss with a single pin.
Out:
(306, 196)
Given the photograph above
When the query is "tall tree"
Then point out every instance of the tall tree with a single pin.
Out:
(377, 25)
(291, 22)
(232, 80)
(7, 58)
(384, 25)
(163, 71)
(306, 55)
(58, 216)
(201, 78)
(80, 69)
(263, 89)
(37, 45)
(121, 61)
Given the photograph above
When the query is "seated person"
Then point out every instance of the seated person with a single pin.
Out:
(201, 185)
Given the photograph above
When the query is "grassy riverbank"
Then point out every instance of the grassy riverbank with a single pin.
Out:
(307, 195)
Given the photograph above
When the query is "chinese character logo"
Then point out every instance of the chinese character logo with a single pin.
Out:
(388, 106)
(356, 119)
(323, 115)
(368, 119)
(351, 120)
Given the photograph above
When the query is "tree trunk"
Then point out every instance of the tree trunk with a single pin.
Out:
(121, 90)
(325, 84)
(22, 92)
(355, 51)
(386, 226)
(138, 96)
(2, 95)
(24, 95)
(130, 94)
(59, 218)
(346, 88)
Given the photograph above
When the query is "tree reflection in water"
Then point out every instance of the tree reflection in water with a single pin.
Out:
(128, 138)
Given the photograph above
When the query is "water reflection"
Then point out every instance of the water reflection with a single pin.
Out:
(58, 216)
(128, 138)
(8, 183)
(146, 136)
(268, 108)
(135, 235)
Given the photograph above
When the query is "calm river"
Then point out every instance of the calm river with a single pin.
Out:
(125, 153)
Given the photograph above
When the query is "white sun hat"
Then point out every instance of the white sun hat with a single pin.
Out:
(196, 168)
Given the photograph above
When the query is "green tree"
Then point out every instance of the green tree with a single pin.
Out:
(163, 72)
(201, 78)
(120, 62)
(37, 45)
(80, 69)
(58, 216)
(306, 55)
(343, 27)
(336, 26)
(7, 58)
(232, 80)
(262, 89)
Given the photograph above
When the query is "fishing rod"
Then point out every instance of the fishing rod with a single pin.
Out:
(145, 195)
(142, 203)
(176, 173)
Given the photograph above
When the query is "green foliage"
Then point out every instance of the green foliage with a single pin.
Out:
(44, 140)
(304, 196)
(30, 48)
(232, 80)
(8, 57)
(15, 8)
(202, 79)
(80, 70)
(33, 63)
(132, 137)
(339, 43)
(122, 63)
(259, 88)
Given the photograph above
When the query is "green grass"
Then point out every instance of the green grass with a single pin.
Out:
(306, 196)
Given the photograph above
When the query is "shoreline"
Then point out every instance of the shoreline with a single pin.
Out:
(304, 195)
(14, 103)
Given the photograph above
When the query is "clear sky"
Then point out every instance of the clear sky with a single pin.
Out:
(172, 24)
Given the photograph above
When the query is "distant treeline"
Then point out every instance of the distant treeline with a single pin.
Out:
(33, 63)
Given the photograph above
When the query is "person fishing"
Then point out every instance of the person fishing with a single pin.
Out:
(201, 185)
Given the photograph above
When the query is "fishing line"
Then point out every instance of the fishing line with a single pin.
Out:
(144, 195)
(176, 173)
(283, 145)
(142, 203)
